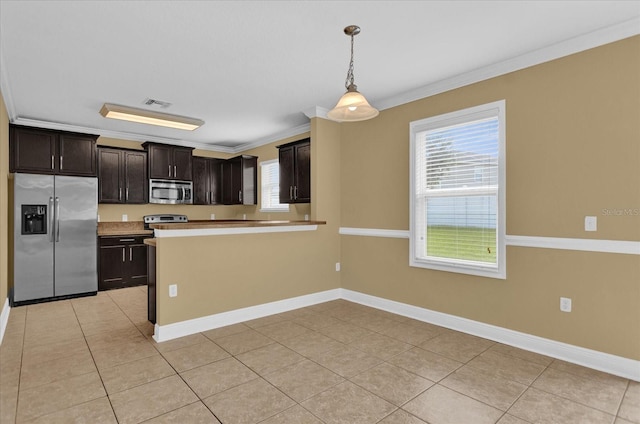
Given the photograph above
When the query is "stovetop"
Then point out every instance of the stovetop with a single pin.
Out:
(163, 219)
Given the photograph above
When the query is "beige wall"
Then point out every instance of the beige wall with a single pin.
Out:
(232, 272)
(573, 149)
(4, 203)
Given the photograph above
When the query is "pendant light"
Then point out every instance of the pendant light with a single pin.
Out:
(352, 106)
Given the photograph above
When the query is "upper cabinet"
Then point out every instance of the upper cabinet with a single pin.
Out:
(240, 180)
(42, 151)
(207, 181)
(169, 162)
(295, 171)
(122, 176)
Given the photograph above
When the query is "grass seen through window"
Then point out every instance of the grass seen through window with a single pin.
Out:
(466, 243)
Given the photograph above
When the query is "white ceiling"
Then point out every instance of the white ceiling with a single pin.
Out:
(251, 69)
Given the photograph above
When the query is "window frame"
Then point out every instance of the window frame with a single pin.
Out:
(489, 110)
(282, 207)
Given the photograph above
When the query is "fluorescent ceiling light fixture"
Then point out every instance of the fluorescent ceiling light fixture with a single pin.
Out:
(149, 117)
(352, 106)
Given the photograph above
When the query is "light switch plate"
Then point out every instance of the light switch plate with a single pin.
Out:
(591, 223)
(173, 290)
(565, 304)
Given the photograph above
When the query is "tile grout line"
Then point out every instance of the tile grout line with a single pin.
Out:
(84, 336)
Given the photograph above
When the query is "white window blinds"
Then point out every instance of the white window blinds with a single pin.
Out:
(270, 187)
(456, 190)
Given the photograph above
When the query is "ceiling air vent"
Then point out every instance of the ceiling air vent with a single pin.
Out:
(156, 103)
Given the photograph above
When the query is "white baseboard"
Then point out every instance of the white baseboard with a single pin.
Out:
(163, 333)
(4, 318)
(612, 364)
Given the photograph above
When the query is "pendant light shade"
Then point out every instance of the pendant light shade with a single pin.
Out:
(352, 106)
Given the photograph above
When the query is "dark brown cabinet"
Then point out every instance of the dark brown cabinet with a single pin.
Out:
(122, 262)
(240, 180)
(122, 176)
(295, 171)
(207, 181)
(42, 151)
(169, 162)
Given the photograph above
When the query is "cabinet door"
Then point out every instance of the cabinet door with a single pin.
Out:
(136, 264)
(231, 181)
(160, 162)
(136, 184)
(32, 150)
(286, 163)
(215, 181)
(112, 262)
(182, 164)
(302, 177)
(109, 176)
(249, 180)
(77, 155)
(201, 181)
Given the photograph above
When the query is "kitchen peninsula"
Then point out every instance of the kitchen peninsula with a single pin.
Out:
(207, 274)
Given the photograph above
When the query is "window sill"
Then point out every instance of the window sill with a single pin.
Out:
(275, 210)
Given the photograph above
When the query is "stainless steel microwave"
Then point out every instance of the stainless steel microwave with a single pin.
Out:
(170, 192)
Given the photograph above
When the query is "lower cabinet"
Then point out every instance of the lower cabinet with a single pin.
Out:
(122, 262)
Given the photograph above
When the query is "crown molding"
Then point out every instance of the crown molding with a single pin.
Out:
(6, 89)
(555, 51)
(120, 135)
(273, 138)
(316, 112)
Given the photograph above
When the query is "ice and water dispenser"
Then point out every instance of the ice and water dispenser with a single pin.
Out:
(34, 219)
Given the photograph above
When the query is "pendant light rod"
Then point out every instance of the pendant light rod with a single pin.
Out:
(351, 31)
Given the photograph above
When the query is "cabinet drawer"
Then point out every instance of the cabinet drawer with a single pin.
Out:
(105, 241)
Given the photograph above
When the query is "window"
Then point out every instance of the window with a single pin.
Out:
(457, 191)
(270, 185)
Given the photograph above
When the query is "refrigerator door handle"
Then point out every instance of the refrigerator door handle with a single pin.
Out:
(51, 220)
(57, 219)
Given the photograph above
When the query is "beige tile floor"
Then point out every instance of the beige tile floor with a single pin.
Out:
(92, 360)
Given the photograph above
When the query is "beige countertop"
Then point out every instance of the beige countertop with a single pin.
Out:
(129, 228)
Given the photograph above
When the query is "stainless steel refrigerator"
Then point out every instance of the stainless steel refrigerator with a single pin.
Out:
(55, 236)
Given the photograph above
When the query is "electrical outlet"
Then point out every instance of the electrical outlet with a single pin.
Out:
(337, 266)
(213, 216)
(306, 216)
(565, 304)
(244, 216)
(173, 290)
(591, 223)
(125, 217)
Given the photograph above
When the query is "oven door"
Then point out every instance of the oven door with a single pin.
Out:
(170, 192)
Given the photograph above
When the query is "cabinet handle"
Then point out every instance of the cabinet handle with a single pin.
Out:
(169, 170)
(126, 194)
(130, 255)
(208, 197)
(61, 163)
(120, 193)
(123, 240)
(174, 171)
(123, 259)
(240, 196)
(290, 192)
(52, 162)
(295, 192)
